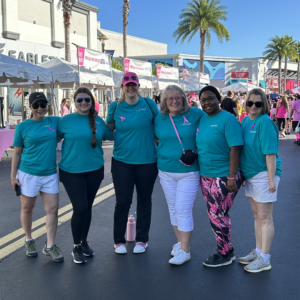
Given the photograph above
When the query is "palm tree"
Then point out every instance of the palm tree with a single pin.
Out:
(276, 51)
(67, 10)
(126, 7)
(203, 16)
(290, 52)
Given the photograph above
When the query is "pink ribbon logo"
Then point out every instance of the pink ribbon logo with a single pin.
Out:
(197, 131)
(185, 120)
(122, 118)
(51, 129)
(252, 127)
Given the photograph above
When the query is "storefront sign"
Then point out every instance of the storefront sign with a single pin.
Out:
(93, 60)
(167, 73)
(190, 76)
(240, 75)
(15, 105)
(204, 78)
(142, 68)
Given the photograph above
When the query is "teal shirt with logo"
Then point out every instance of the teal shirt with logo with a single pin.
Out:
(169, 147)
(261, 138)
(134, 135)
(39, 140)
(77, 153)
(216, 135)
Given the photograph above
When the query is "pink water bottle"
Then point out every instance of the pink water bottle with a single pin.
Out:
(131, 229)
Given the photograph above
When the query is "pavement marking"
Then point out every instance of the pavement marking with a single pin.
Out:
(19, 232)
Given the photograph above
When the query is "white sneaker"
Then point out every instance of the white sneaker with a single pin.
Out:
(120, 249)
(175, 249)
(180, 258)
(140, 247)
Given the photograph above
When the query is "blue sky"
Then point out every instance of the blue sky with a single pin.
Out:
(250, 24)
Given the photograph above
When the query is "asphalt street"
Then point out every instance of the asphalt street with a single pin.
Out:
(149, 275)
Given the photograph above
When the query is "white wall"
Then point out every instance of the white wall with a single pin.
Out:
(93, 30)
(135, 46)
(1, 20)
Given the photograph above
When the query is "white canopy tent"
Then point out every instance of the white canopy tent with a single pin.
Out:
(17, 73)
(240, 87)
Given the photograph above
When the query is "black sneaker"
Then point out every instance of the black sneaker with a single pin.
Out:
(218, 260)
(86, 249)
(231, 253)
(78, 256)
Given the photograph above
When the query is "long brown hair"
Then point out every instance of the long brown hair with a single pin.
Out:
(92, 112)
(284, 102)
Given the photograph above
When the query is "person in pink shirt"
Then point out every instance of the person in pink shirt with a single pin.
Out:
(64, 107)
(281, 114)
(295, 112)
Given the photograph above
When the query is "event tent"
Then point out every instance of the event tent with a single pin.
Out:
(14, 72)
(296, 90)
(66, 75)
(240, 87)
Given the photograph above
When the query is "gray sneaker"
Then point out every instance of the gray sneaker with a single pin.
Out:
(30, 248)
(248, 259)
(54, 252)
(258, 265)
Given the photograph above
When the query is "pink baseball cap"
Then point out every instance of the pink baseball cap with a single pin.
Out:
(130, 77)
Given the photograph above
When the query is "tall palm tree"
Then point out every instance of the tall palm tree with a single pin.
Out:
(290, 53)
(67, 10)
(203, 16)
(276, 51)
(126, 7)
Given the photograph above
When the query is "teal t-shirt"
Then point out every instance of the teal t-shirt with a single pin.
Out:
(39, 140)
(169, 148)
(216, 135)
(77, 153)
(134, 135)
(261, 138)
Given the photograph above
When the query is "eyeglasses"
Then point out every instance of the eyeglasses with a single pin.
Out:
(87, 100)
(133, 77)
(210, 100)
(257, 104)
(41, 105)
(171, 99)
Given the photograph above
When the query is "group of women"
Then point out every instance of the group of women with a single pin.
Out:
(208, 149)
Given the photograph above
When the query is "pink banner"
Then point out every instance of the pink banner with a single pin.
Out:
(81, 52)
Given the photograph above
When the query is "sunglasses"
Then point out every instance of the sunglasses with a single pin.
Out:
(127, 78)
(41, 105)
(87, 100)
(257, 104)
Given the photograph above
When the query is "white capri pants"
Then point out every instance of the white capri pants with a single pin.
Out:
(180, 190)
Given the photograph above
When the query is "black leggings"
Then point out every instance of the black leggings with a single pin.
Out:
(281, 121)
(82, 189)
(125, 177)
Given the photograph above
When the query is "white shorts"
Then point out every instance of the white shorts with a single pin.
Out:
(257, 188)
(32, 185)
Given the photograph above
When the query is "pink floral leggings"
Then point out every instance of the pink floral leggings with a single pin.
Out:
(219, 201)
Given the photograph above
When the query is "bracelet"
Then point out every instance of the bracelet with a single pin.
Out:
(232, 173)
(231, 178)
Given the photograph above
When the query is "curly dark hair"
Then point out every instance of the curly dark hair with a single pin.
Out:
(92, 113)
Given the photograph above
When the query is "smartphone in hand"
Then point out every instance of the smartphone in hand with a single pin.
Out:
(18, 190)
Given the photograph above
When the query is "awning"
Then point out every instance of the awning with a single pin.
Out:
(263, 84)
(233, 81)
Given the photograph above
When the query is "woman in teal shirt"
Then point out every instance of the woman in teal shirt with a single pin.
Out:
(180, 182)
(261, 167)
(134, 160)
(218, 143)
(81, 167)
(34, 171)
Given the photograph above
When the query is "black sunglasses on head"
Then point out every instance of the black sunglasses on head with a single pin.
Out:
(87, 100)
(126, 78)
(37, 105)
(257, 104)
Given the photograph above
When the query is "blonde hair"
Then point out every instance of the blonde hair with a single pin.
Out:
(122, 98)
(163, 105)
(284, 102)
(265, 102)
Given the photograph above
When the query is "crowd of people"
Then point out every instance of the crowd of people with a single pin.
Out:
(186, 147)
